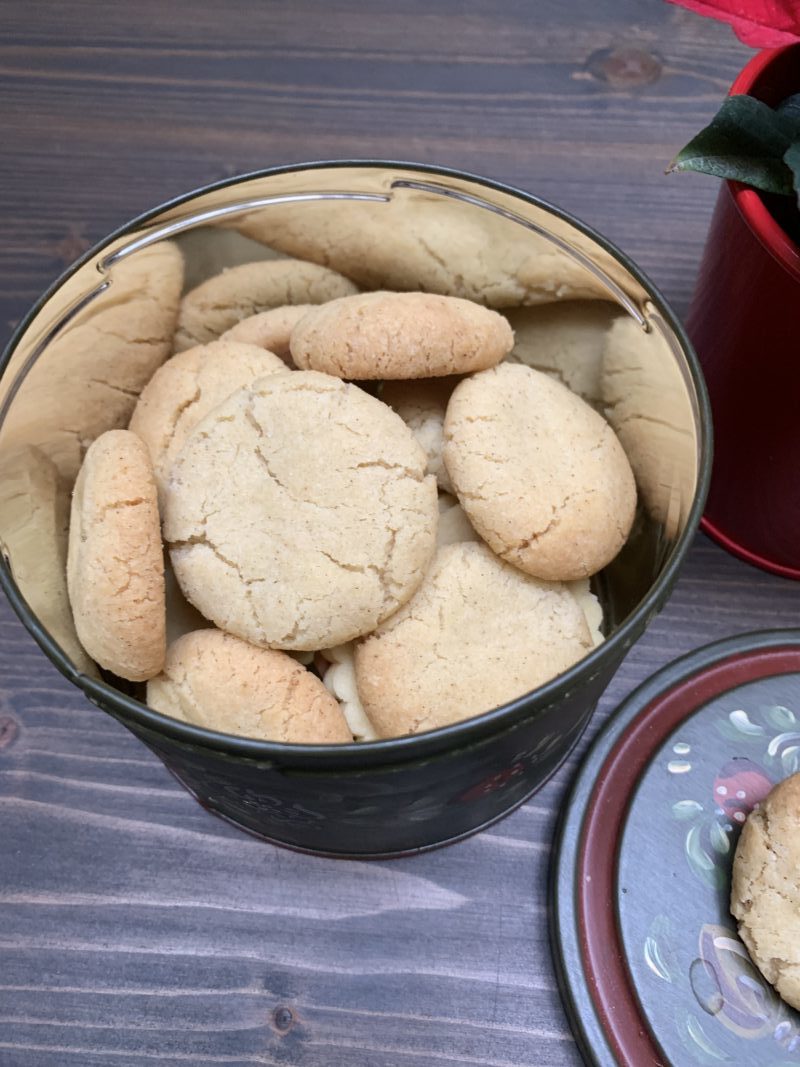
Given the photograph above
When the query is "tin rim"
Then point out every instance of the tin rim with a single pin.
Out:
(408, 748)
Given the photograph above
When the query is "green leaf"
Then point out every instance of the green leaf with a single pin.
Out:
(745, 141)
(789, 112)
(791, 158)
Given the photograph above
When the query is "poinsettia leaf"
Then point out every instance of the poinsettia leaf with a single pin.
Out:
(789, 113)
(792, 160)
(745, 141)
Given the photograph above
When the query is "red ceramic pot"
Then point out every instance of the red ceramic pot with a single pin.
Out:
(745, 324)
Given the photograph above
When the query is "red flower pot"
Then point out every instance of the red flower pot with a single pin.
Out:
(745, 324)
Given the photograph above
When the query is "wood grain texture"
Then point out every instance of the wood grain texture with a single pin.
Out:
(136, 929)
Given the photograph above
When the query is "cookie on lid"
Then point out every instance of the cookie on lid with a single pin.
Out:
(765, 897)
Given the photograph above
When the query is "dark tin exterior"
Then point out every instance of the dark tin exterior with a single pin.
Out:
(405, 794)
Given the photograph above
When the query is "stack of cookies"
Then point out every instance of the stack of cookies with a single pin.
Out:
(379, 517)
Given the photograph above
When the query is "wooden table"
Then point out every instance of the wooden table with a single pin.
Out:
(134, 927)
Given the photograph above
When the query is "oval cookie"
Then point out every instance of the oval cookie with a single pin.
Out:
(214, 680)
(219, 303)
(765, 897)
(541, 476)
(115, 562)
(477, 634)
(186, 388)
(400, 335)
(299, 514)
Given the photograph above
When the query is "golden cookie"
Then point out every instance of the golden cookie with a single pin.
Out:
(541, 476)
(115, 569)
(477, 634)
(765, 897)
(269, 329)
(88, 378)
(34, 520)
(400, 335)
(421, 405)
(219, 303)
(299, 514)
(186, 388)
(214, 680)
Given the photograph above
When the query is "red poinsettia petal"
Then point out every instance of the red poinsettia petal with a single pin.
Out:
(758, 23)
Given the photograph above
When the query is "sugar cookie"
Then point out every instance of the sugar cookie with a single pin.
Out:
(765, 897)
(478, 633)
(115, 567)
(299, 514)
(541, 476)
(214, 680)
(400, 335)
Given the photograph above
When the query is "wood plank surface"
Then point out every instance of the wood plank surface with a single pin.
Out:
(134, 928)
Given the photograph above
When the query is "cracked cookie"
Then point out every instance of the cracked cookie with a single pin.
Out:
(115, 565)
(765, 897)
(186, 388)
(477, 634)
(400, 335)
(299, 514)
(421, 405)
(541, 476)
(215, 680)
(219, 303)
(269, 329)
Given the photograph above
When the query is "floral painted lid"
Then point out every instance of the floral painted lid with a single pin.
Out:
(651, 967)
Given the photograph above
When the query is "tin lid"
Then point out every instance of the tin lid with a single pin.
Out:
(651, 967)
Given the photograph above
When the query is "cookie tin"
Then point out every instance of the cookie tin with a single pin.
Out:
(401, 795)
(650, 964)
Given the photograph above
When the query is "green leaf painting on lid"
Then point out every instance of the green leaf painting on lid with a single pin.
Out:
(746, 142)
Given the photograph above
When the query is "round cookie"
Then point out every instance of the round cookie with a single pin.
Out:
(541, 476)
(214, 680)
(299, 514)
(115, 563)
(477, 634)
(269, 329)
(765, 896)
(421, 405)
(239, 292)
(400, 335)
(186, 388)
